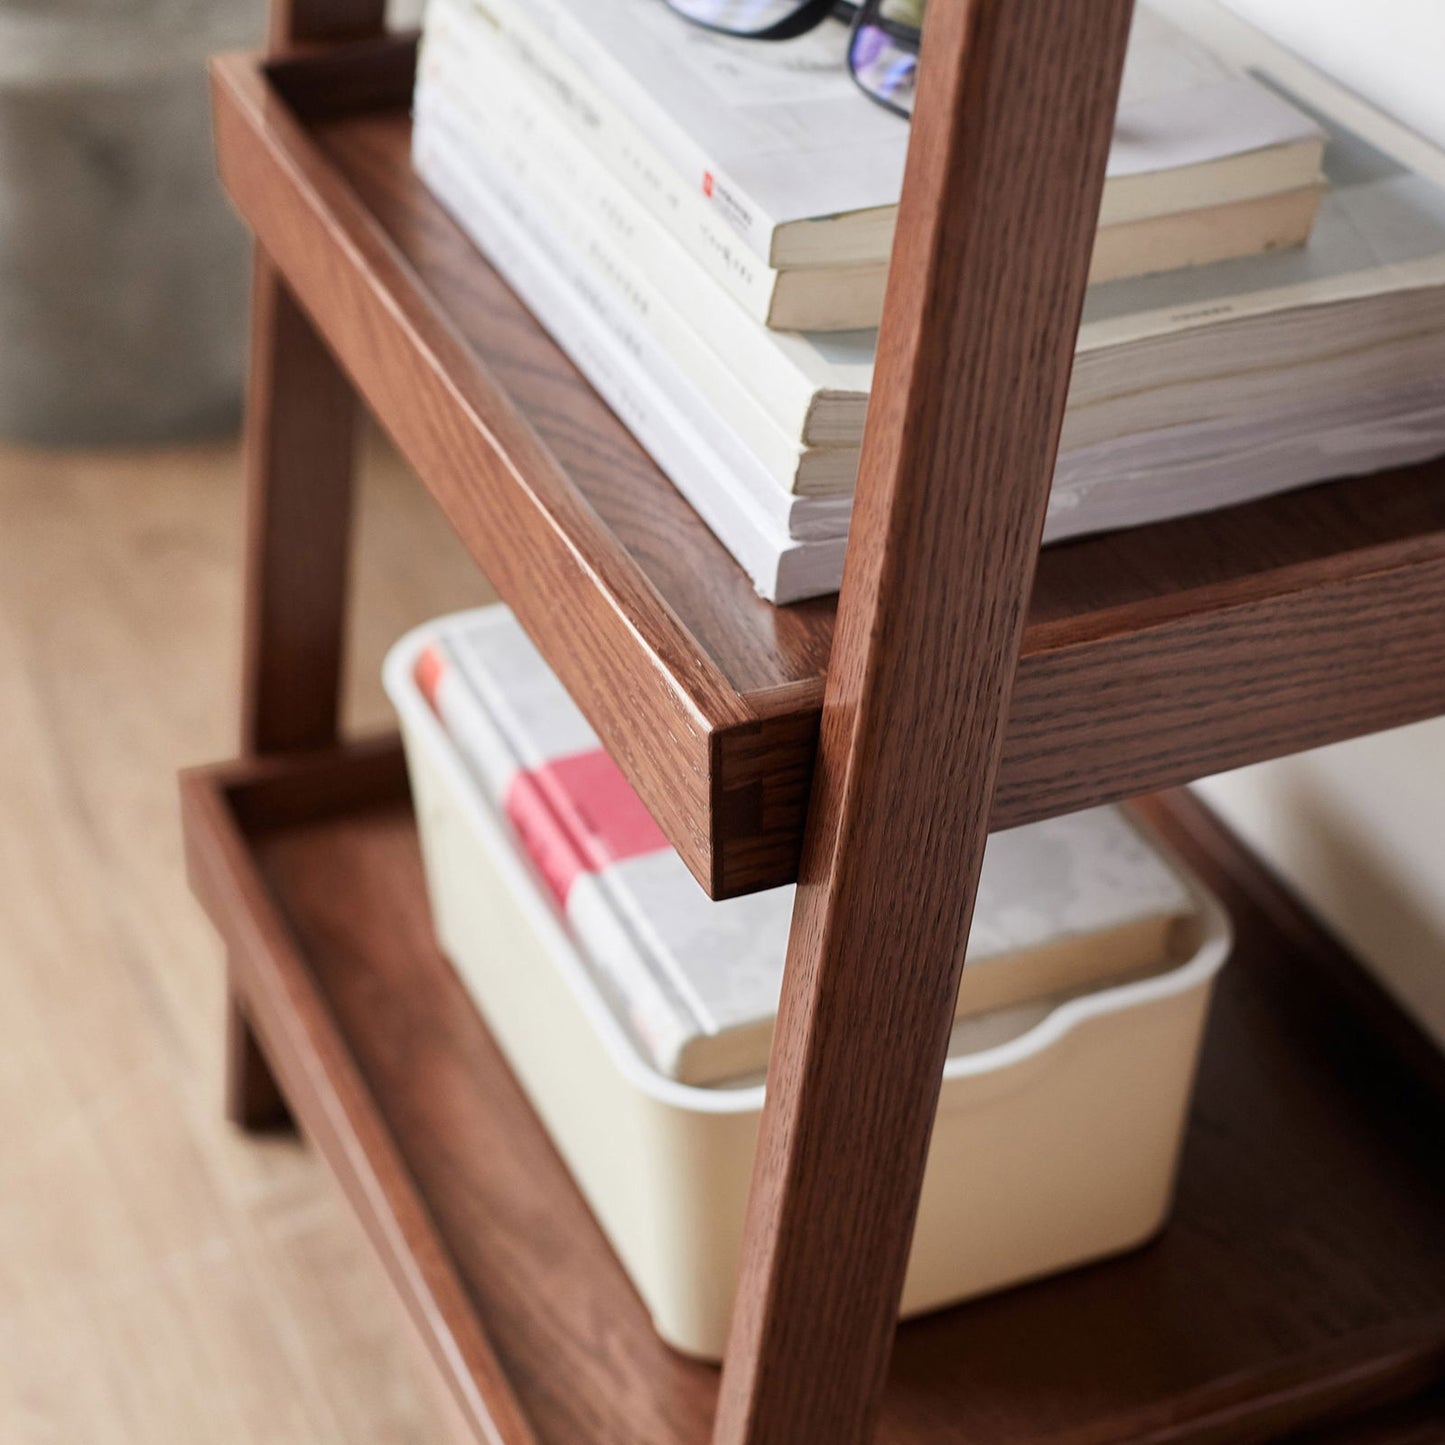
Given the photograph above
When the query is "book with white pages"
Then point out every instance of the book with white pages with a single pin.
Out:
(1190, 392)
(730, 455)
(810, 384)
(1064, 906)
(1152, 476)
(556, 291)
(774, 143)
(1157, 351)
(1180, 471)
(635, 282)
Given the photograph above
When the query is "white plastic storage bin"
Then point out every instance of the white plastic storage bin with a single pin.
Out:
(1052, 1148)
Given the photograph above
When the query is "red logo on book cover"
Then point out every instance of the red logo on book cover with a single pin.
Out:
(707, 184)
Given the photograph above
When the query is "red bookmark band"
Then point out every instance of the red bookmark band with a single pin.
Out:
(578, 814)
(428, 673)
(575, 814)
(542, 834)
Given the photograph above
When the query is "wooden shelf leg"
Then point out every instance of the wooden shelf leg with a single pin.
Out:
(300, 456)
(301, 423)
(1005, 171)
(253, 1098)
(295, 22)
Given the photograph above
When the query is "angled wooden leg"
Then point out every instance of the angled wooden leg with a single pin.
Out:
(298, 21)
(301, 420)
(300, 445)
(253, 1097)
(1005, 172)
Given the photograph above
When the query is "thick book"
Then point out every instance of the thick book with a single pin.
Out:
(754, 520)
(1063, 906)
(643, 305)
(1212, 213)
(1262, 408)
(810, 385)
(773, 144)
(1150, 349)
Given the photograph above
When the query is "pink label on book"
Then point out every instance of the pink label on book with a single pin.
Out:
(578, 814)
(543, 836)
(430, 669)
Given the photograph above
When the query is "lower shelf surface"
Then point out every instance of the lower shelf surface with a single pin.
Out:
(1301, 1278)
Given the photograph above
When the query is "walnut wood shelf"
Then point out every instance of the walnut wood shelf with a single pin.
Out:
(1151, 657)
(1301, 1278)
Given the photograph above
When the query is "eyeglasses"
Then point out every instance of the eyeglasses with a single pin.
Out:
(882, 43)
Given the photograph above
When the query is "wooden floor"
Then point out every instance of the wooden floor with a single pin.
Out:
(161, 1279)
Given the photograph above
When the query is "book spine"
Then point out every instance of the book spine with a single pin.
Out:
(660, 1020)
(598, 284)
(534, 269)
(633, 136)
(745, 429)
(534, 142)
(500, 76)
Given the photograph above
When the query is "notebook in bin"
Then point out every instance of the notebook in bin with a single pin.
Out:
(1063, 905)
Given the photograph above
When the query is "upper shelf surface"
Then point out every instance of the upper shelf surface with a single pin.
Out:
(1151, 656)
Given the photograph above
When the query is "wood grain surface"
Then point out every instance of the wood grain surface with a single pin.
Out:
(567, 577)
(163, 1281)
(939, 613)
(301, 422)
(1301, 1276)
(1213, 640)
(314, 1067)
(1010, 134)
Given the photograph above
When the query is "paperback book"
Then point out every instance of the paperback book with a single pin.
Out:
(1192, 389)
(1063, 906)
(772, 170)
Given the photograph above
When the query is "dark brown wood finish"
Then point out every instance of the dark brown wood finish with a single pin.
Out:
(295, 21)
(300, 435)
(1014, 118)
(253, 1098)
(1303, 1278)
(1302, 1275)
(313, 1066)
(301, 423)
(1417, 1422)
(542, 546)
(1213, 641)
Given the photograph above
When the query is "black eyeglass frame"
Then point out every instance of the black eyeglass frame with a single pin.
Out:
(906, 37)
(808, 16)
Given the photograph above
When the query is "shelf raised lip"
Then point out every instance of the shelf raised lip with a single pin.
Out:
(232, 811)
(1111, 700)
(311, 1059)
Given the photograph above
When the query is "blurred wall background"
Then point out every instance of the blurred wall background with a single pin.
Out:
(123, 274)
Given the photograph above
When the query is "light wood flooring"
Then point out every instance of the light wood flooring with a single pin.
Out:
(163, 1279)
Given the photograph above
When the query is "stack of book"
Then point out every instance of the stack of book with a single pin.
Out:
(704, 225)
(1064, 907)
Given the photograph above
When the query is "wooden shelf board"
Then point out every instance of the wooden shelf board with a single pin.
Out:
(1152, 656)
(1302, 1277)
